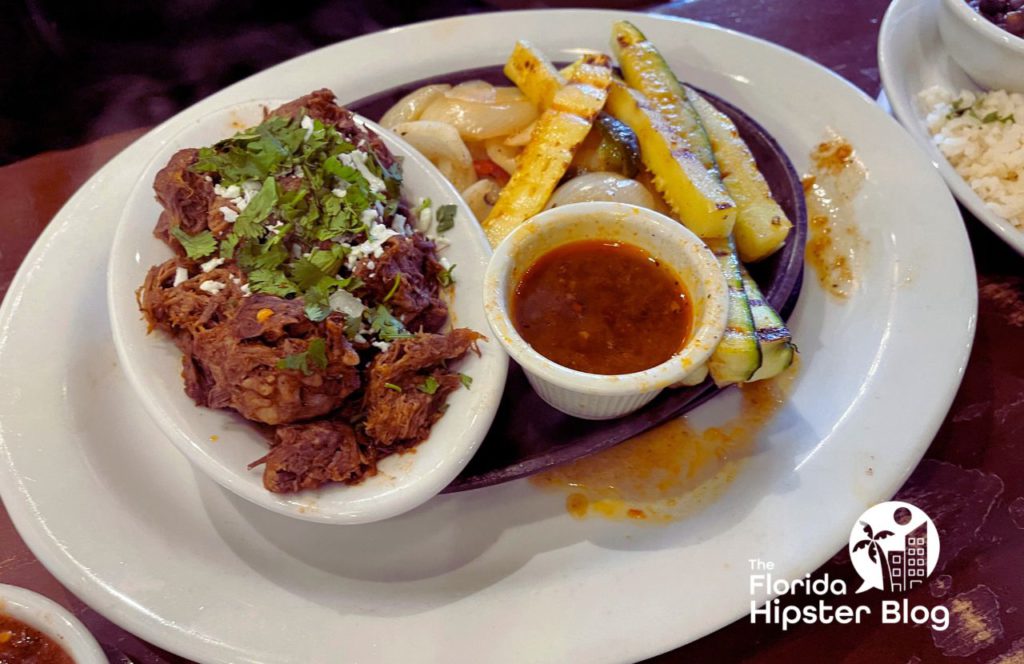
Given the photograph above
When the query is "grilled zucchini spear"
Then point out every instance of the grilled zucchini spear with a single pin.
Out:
(558, 132)
(673, 143)
(761, 225)
(773, 336)
(738, 356)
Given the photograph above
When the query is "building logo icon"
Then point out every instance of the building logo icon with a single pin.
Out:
(894, 546)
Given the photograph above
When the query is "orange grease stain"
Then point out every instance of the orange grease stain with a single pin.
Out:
(668, 472)
(834, 243)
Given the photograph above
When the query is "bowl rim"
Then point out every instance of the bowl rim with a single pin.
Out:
(707, 332)
(53, 620)
(309, 505)
(982, 26)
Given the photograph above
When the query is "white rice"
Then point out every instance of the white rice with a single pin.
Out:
(989, 156)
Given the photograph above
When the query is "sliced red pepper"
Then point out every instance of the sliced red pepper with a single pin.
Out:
(485, 168)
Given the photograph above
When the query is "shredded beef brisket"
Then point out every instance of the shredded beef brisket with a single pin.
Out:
(321, 105)
(333, 414)
(239, 361)
(412, 263)
(305, 456)
(399, 408)
(188, 200)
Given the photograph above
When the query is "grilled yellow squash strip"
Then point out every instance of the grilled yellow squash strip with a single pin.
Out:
(533, 74)
(761, 225)
(558, 132)
(675, 146)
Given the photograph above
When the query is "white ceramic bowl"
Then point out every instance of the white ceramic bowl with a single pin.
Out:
(219, 443)
(54, 621)
(991, 56)
(594, 396)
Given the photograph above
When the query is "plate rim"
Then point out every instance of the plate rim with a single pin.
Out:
(905, 109)
(22, 514)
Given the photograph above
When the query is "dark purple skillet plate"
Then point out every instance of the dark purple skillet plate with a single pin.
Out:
(528, 435)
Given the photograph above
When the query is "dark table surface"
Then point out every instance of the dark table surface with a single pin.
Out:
(971, 480)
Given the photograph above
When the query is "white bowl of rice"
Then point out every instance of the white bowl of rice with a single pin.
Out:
(982, 136)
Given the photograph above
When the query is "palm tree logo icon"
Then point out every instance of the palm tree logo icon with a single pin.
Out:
(894, 546)
(875, 552)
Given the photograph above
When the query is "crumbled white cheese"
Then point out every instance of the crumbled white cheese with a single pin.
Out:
(425, 220)
(180, 276)
(212, 286)
(307, 124)
(398, 224)
(230, 215)
(369, 216)
(340, 191)
(227, 192)
(212, 264)
(275, 228)
(245, 290)
(372, 275)
(370, 265)
(383, 345)
(376, 236)
(347, 303)
(249, 189)
(357, 160)
(445, 263)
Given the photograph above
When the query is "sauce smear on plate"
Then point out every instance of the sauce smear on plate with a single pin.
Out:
(673, 470)
(601, 307)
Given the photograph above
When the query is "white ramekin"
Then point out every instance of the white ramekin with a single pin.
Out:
(54, 621)
(991, 56)
(595, 396)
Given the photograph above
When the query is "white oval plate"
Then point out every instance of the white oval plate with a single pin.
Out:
(153, 364)
(911, 58)
(500, 574)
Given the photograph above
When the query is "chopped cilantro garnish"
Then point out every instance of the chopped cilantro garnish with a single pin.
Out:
(445, 277)
(250, 221)
(292, 237)
(352, 326)
(317, 301)
(271, 282)
(227, 246)
(466, 380)
(252, 154)
(315, 354)
(392, 386)
(196, 246)
(394, 287)
(384, 325)
(994, 116)
(445, 218)
(429, 386)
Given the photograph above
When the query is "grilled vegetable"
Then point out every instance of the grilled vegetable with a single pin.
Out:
(610, 146)
(694, 193)
(773, 336)
(738, 356)
(692, 185)
(761, 225)
(557, 135)
(533, 73)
